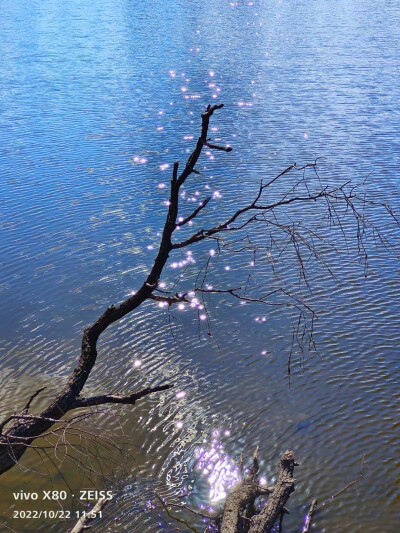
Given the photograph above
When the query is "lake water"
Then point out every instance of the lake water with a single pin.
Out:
(97, 99)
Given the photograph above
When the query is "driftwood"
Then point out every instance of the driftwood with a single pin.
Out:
(275, 507)
(239, 504)
(240, 513)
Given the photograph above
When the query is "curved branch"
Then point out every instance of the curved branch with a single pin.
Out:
(130, 399)
(11, 447)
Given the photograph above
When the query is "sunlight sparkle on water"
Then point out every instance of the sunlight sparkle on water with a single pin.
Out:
(139, 160)
(188, 260)
(221, 471)
(137, 363)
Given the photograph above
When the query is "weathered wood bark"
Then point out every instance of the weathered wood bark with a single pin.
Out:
(242, 496)
(240, 514)
(275, 506)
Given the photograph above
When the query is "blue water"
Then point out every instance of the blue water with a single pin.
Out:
(95, 101)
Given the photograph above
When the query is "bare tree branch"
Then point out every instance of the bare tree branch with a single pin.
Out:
(195, 212)
(110, 398)
(309, 517)
(22, 433)
(176, 518)
(84, 521)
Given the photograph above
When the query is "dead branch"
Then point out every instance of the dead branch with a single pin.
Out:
(84, 521)
(241, 512)
(314, 508)
(194, 213)
(309, 517)
(112, 398)
(176, 518)
(23, 431)
(26, 408)
(265, 520)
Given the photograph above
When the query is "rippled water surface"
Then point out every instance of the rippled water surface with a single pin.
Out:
(97, 100)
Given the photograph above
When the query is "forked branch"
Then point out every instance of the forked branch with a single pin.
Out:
(24, 430)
